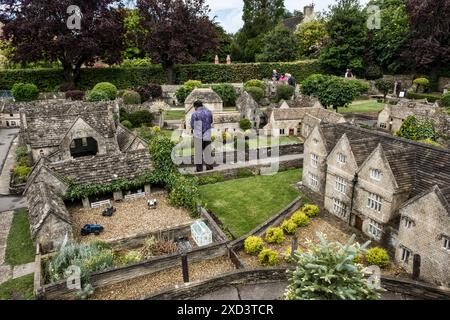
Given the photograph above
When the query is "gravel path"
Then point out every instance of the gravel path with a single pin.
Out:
(131, 218)
(141, 287)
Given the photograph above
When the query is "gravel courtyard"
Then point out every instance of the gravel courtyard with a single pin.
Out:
(132, 217)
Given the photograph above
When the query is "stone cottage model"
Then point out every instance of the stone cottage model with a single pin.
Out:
(64, 131)
(249, 109)
(223, 122)
(395, 191)
(10, 115)
(299, 121)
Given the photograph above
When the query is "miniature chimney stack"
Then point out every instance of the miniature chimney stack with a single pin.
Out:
(308, 13)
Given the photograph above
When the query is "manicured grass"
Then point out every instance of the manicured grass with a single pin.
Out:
(266, 142)
(371, 106)
(243, 204)
(20, 288)
(19, 247)
(174, 115)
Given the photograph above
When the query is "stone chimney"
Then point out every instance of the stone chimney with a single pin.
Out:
(308, 13)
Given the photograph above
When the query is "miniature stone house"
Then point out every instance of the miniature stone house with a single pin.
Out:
(375, 182)
(249, 109)
(226, 122)
(10, 115)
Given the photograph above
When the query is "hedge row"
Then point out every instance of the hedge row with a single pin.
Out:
(48, 79)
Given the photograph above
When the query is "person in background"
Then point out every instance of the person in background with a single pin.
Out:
(283, 78)
(201, 123)
(291, 80)
(349, 74)
(275, 75)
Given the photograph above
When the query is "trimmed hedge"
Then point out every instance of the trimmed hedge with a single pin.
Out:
(123, 78)
(419, 96)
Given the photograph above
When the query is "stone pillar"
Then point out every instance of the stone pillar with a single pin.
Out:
(148, 189)
(86, 203)
(118, 196)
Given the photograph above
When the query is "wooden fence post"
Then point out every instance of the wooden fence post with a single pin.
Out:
(294, 246)
(185, 267)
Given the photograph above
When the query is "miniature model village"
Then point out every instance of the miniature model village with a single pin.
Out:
(90, 190)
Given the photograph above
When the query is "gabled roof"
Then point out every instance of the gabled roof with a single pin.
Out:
(126, 138)
(206, 95)
(443, 195)
(226, 117)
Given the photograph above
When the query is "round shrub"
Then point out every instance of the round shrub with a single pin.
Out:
(254, 83)
(311, 210)
(253, 245)
(313, 84)
(300, 219)
(131, 97)
(21, 173)
(227, 93)
(289, 226)
(127, 124)
(275, 235)
(268, 257)
(424, 82)
(25, 92)
(288, 254)
(256, 93)
(359, 86)
(95, 96)
(383, 86)
(139, 118)
(150, 91)
(377, 257)
(445, 100)
(182, 93)
(108, 88)
(74, 95)
(245, 124)
(285, 92)
(192, 84)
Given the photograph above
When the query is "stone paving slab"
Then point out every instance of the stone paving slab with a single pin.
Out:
(5, 224)
(263, 291)
(5, 273)
(9, 164)
(22, 270)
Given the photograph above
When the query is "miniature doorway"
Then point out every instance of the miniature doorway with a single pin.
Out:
(416, 267)
(83, 147)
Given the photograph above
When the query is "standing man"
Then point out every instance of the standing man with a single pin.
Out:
(349, 74)
(201, 122)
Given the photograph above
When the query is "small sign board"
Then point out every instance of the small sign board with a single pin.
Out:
(402, 94)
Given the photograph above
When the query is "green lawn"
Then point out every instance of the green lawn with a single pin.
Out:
(266, 142)
(174, 115)
(19, 247)
(370, 106)
(20, 288)
(243, 204)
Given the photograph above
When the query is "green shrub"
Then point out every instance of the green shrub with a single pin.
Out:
(210, 179)
(287, 255)
(127, 124)
(431, 143)
(313, 83)
(284, 92)
(253, 245)
(268, 257)
(21, 152)
(108, 88)
(149, 91)
(419, 96)
(193, 84)
(300, 219)
(181, 94)
(423, 82)
(254, 83)
(130, 258)
(245, 124)
(131, 97)
(96, 96)
(275, 235)
(377, 257)
(21, 173)
(256, 93)
(383, 86)
(139, 118)
(25, 92)
(136, 63)
(445, 100)
(417, 130)
(227, 93)
(361, 87)
(244, 173)
(311, 210)
(183, 193)
(289, 226)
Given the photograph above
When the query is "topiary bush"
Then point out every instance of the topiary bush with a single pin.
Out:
(254, 83)
(445, 100)
(417, 130)
(21, 173)
(284, 92)
(127, 124)
(313, 83)
(256, 93)
(245, 124)
(253, 245)
(300, 219)
(289, 226)
(95, 96)
(419, 96)
(383, 86)
(108, 88)
(25, 92)
(311, 210)
(131, 97)
(268, 257)
(227, 93)
(74, 95)
(423, 83)
(377, 257)
(139, 118)
(192, 84)
(275, 235)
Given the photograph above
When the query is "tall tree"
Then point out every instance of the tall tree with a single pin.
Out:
(38, 30)
(224, 45)
(260, 16)
(280, 44)
(347, 28)
(311, 37)
(178, 31)
(429, 45)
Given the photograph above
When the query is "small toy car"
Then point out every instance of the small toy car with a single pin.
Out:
(91, 228)
(152, 204)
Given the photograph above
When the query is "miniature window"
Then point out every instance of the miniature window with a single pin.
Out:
(405, 255)
(447, 243)
(314, 160)
(374, 202)
(84, 142)
(13, 123)
(11, 115)
(407, 222)
(282, 131)
(341, 185)
(316, 141)
(341, 158)
(375, 229)
(383, 125)
(340, 208)
(313, 180)
(375, 174)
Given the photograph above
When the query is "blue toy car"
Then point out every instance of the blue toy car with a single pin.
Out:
(91, 228)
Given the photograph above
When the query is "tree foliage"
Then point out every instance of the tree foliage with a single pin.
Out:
(178, 31)
(311, 37)
(37, 30)
(279, 45)
(328, 272)
(417, 130)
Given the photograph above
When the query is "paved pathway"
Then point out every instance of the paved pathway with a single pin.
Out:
(9, 164)
(6, 138)
(8, 203)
